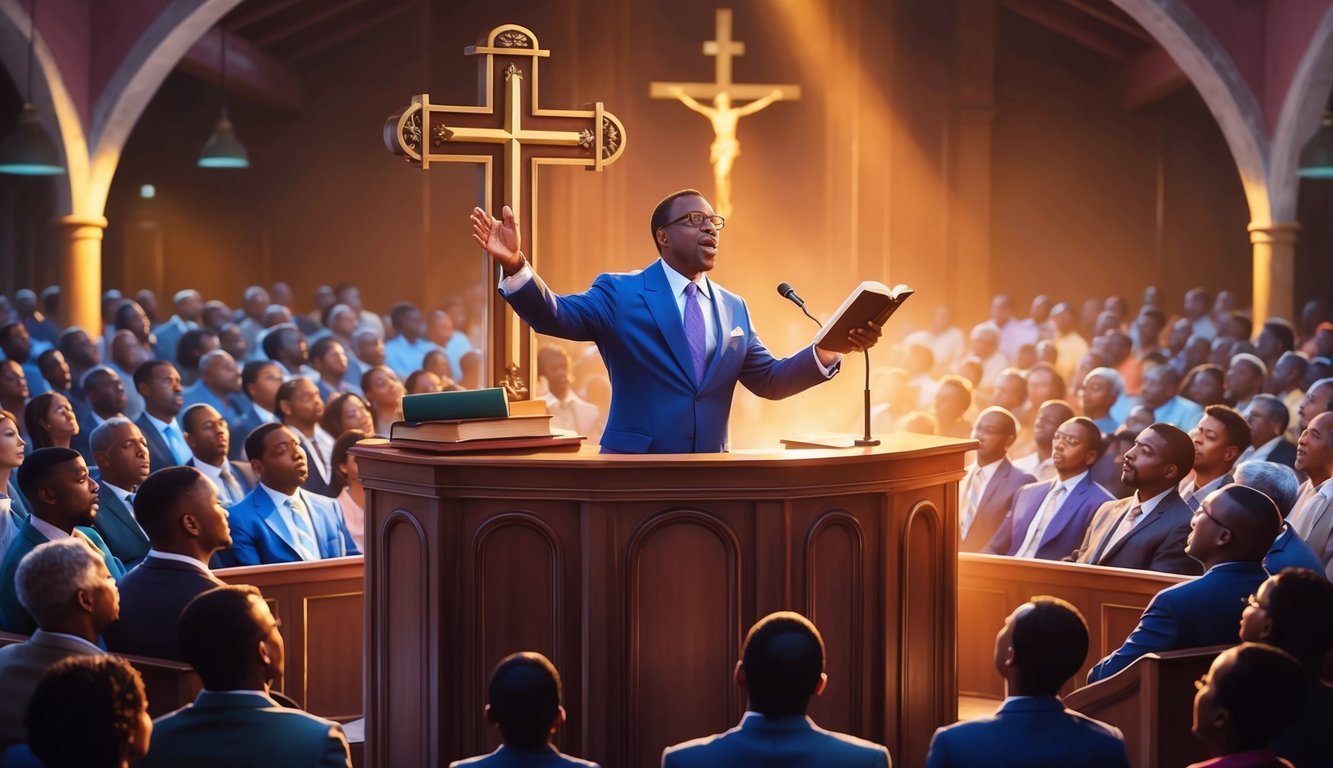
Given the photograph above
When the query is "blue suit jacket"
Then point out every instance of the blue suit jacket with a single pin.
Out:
(223, 730)
(995, 503)
(1063, 533)
(259, 535)
(152, 596)
(121, 532)
(249, 422)
(779, 741)
(1291, 551)
(232, 407)
(159, 453)
(656, 404)
(508, 757)
(13, 616)
(1194, 614)
(1032, 731)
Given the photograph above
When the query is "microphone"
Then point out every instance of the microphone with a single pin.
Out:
(789, 293)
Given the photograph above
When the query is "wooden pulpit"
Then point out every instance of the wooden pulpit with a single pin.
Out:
(639, 576)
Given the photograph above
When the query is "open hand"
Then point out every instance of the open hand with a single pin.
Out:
(499, 238)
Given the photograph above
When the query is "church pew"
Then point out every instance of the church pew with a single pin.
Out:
(322, 611)
(990, 587)
(1152, 702)
(168, 684)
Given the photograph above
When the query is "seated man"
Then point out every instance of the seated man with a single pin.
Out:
(1146, 530)
(121, 453)
(158, 382)
(781, 668)
(280, 522)
(1043, 643)
(1229, 536)
(987, 491)
(1040, 463)
(260, 380)
(209, 438)
(1268, 418)
(231, 639)
(64, 505)
(68, 588)
(1248, 696)
(186, 525)
(1219, 438)
(1279, 483)
(1048, 520)
(523, 701)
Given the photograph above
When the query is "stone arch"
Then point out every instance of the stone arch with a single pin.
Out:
(1302, 110)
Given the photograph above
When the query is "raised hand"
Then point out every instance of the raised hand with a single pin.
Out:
(499, 238)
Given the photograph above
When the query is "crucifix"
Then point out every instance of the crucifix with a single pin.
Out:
(510, 143)
(724, 114)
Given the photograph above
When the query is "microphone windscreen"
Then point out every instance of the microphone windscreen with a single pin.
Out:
(784, 289)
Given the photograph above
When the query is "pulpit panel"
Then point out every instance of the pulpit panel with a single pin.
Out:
(835, 564)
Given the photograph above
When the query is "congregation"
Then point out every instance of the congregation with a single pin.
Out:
(136, 458)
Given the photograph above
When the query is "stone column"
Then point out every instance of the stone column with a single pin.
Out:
(1274, 253)
(81, 272)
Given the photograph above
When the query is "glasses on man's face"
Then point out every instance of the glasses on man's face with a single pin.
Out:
(1070, 440)
(1253, 602)
(696, 219)
(1203, 510)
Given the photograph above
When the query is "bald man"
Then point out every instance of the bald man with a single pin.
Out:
(1230, 535)
(1312, 517)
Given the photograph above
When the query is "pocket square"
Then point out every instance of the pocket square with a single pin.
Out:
(735, 332)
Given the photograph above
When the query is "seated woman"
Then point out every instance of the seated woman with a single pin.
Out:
(50, 421)
(13, 510)
(347, 411)
(385, 393)
(423, 381)
(347, 487)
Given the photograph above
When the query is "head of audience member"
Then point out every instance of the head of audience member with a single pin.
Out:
(127, 352)
(1313, 312)
(1161, 457)
(1178, 335)
(1237, 326)
(1244, 378)
(1108, 321)
(350, 295)
(1235, 523)
(345, 472)
(110, 300)
(1224, 304)
(782, 665)
(1118, 306)
(232, 340)
(1150, 323)
(342, 321)
(1101, 388)
(277, 314)
(78, 349)
(1293, 611)
(179, 509)
(105, 392)
(985, 340)
(1066, 321)
(1047, 353)
(51, 300)
(1268, 419)
(1314, 451)
(437, 363)
(218, 371)
(1220, 437)
(407, 320)
(121, 453)
(66, 587)
(369, 347)
(1139, 418)
(970, 368)
(1118, 347)
(1278, 482)
(422, 381)
(254, 301)
(160, 386)
(25, 304)
(1088, 313)
(324, 298)
(276, 456)
(1044, 383)
(1026, 356)
(469, 367)
(1287, 373)
(286, 344)
(55, 370)
(1041, 645)
(952, 399)
(1050, 416)
(1152, 297)
(439, 327)
(1276, 338)
(1160, 384)
(1040, 310)
(102, 699)
(1247, 698)
(1318, 368)
(523, 700)
(281, 293)
(1197, 350)
(206, 432)
(1323, 340)
(193, 345)
(299, 404)
(132, 317)
(215, 315)
(189, 305)
(457, 309)
(13, 385)
(1204, 384)
(15, 342)
(329, 359)
(1011, 390)
(1221, 351)
(260, 380)
(1076, 447)
(50, 421)
(346, 411)
(229, 635)
(1197, 303)
(1318, 399)
(553, 364)
(383, 389)
(147, 301)
(12, 445)
(1001, 309)
(996, 429)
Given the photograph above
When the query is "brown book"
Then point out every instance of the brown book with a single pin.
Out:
(870, 301)
(561, 442)
(464, 430)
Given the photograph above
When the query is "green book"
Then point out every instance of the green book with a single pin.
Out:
(488, 403)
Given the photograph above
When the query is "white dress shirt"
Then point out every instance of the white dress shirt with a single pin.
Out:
(203, 567)
(973, 490)
(1056, 498)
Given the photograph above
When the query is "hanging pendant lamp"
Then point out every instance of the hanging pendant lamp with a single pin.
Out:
(223, 149)
(28, 150)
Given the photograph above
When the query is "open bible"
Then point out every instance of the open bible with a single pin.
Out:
(869, 301)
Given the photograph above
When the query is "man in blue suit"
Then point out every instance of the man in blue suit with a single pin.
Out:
(1230, 534)
(219, 385)
(1043, 643)
(674, 342)
(987, 491)
(160, 386)
(781, 668)
(231, 639)
(523, 701)
(1048, 520)
(279, 522)
(121, 453)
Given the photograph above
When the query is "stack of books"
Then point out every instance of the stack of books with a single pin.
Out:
(476, 420)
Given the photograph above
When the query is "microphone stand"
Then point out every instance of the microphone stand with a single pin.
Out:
(865, 441)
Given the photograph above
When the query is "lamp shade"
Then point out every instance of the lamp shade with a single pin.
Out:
(223, 149)
(28, 151)
(1317, 154)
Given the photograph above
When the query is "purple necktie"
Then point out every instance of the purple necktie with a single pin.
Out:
(694, 330)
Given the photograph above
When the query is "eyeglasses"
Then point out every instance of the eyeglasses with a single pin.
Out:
(696, 219)
(1253, 602)
(1204, 511)
(1064, 439)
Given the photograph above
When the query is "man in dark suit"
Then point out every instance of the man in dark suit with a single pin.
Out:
(523, 701)
(987, 491)
(260, 380)
(1219, 439)
(676, 343)
(1230, 534)
(300, 408)
(1147, 530)
(105, 398)
(231, 639)
(1279, 483)
(219, 385)
(1048, 520)
(279, 522)
(209, 438)
(1269, 418)
(160, 386)
(1042, 644)
(781, 668)
(64, 504)
(187, 525)
(121, 453)
(68, 588)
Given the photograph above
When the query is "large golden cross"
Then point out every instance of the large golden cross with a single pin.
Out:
(510, 145)
(725, 49)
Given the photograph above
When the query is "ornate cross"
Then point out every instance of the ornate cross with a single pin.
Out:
(511, 144)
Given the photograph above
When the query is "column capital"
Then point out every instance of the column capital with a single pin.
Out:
(1275, 232)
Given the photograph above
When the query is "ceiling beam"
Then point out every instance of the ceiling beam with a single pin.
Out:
(253, 13)
(1072, 24)
(352, 30)
(251, 73)
(1150, 77)
(307, 21)
(1113, 17)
